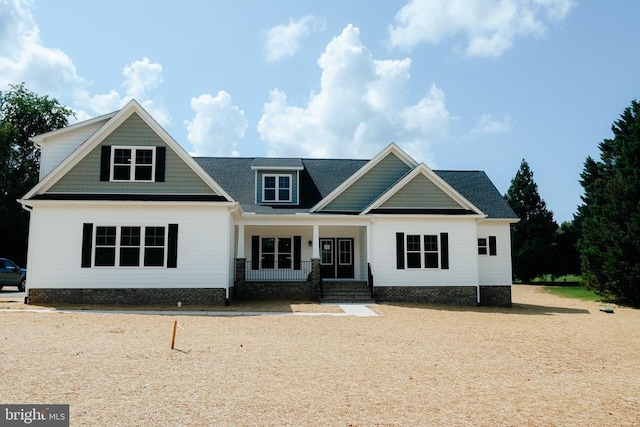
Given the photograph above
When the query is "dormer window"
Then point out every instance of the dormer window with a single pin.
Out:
(132, 163)
(276, 188)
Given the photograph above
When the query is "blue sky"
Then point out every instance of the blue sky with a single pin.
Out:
(458, 84)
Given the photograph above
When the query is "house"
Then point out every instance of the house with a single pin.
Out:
(123, 215)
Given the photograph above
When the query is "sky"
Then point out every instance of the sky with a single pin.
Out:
(457, 84)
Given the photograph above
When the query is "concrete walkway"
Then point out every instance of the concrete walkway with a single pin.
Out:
(357, 310)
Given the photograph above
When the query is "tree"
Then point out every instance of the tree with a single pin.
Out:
(23, 114)
(531, 238)
(610, 242)
(566, 259)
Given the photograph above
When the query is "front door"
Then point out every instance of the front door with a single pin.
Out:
(336, 258)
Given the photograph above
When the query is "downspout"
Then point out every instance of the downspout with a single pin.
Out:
(30, 210)
(226, 290)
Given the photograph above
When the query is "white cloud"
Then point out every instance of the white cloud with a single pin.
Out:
(360, 109)
(217, 126)
(140, 78)
(284, 40)
(23, 58)
(490, 26)
(487, 125)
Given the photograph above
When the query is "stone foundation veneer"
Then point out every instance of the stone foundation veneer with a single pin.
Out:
(299, 291)
(495, 295)
(450, 295)
(129, 296)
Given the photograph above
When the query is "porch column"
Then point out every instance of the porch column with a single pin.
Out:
(315, 254)
(240, 251)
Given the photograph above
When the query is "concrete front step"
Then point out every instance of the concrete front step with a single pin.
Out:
(347, 291)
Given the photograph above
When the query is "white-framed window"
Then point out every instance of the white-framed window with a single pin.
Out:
(276, 188)
(422, 251)
(487, 246)
(277, 252)
(133, 163)
(130, 246)
(483, 246)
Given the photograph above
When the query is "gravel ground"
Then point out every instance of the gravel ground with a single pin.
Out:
(548, 361)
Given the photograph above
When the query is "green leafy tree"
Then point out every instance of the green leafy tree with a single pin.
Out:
(566, 259)
(610, 242)
(23, 114)
(532, 238)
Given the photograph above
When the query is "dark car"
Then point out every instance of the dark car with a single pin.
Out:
(12, 275)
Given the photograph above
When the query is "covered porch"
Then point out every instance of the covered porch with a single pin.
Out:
(276, 260)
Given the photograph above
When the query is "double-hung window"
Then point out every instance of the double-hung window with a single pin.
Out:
(276, 188)
(422, 251)
(276, 253)
(133, 163)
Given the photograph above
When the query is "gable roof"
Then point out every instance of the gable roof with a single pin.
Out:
(321, 177)
(460, 203)
(391, 149)
(113, 122)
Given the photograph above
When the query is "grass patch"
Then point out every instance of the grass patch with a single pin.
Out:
(578, 292)
(561, 279)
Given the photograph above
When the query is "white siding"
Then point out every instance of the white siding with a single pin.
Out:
(495, 270)
(56, 243)
(463, 259)
(55, 150)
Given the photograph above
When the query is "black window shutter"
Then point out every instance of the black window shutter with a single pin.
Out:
(105, 163)
(87, 243)
(444, 251)
(493, 250)
(172, 247)
(399, 251)
(161, 154)
(255, 252)
(297, 248)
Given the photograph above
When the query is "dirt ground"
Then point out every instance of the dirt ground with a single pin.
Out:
(548, 361)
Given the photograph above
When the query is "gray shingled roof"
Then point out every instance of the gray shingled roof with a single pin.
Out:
(275, 162)
(321, 176)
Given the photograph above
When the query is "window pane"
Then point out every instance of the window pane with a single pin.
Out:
(270, 182)
(284, 245)
(283, 195)
(268, 244)
(143, 173)
(130, 236)
(154, 236)
(105, 236)
(129, 257)
(153, 257)
(269, 194)
(144, 157)
(122, 173)
(284, 261)
(344, 252)
(283, 182)
(268, 260)
(430, 243)
(326, 254)
(122, 156)
(105, 257)
(431, 260)
(413, 260)
(413, 242)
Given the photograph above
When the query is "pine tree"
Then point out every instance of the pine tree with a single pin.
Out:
(531, 238)
(610, 242)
